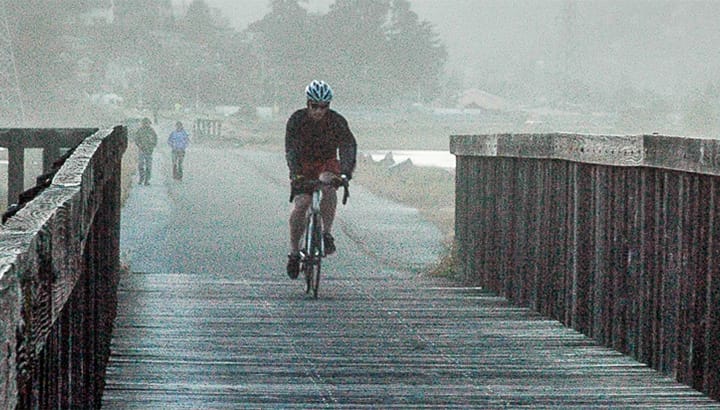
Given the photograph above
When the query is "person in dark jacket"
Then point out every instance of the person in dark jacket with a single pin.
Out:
(318, 145)
(146, 140)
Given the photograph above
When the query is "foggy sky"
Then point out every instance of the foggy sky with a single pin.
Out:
(629, 42)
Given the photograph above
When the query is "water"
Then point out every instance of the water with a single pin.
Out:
(421, 158)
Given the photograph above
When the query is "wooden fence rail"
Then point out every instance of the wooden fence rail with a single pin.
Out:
(51, 141)
(615, 236)
(59, 263)
(207, 128)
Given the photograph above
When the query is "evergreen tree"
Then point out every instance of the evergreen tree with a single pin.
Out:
(198, 24)
(356, 45)
(415, 54)
(44, 61)
(376, 51)
(284, 41)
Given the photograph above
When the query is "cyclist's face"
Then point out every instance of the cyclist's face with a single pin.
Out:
(317, 110)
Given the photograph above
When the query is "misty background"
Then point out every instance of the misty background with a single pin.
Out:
(524, 65)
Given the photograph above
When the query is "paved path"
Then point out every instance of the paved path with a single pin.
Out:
(209, 320)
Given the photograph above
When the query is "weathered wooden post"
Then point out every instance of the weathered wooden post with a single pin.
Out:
(52, 141)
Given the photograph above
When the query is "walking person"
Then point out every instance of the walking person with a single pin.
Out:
(318, 145)
(178, 141)
(146, 140)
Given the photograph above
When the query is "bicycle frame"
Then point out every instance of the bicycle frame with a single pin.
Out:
(313, 249)
(313, 229)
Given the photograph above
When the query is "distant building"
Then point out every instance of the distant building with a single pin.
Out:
(127, 12)
(478, 99)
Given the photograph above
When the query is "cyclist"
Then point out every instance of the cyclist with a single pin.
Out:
(318, 145)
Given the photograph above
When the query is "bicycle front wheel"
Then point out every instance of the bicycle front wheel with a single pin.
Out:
(312, 278)
(316, 252)
(316, 279)
(309, 272)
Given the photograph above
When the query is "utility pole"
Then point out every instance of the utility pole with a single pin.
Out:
(11, 103)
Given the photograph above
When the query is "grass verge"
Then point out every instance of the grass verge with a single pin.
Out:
(429, 190)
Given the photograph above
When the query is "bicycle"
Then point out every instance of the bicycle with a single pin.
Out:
(313, 249)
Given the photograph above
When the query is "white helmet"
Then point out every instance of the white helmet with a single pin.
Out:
(319, 91)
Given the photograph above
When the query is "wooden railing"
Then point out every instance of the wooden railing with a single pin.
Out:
(615, 236)
(207, 128)
(59, 265)
(51, 141)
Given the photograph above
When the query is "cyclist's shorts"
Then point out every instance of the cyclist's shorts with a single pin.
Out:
(312, 170)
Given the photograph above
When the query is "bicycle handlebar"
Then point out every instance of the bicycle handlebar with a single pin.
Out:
(310, 185)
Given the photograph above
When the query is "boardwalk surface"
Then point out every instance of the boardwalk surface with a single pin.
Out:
(209, 320)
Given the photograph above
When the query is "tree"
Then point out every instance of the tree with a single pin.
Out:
(181, 62)
(415, 53)
(376, 51)
(137, 16)
(44, 63)
(284, 41)
(356, 45)
(198, 24)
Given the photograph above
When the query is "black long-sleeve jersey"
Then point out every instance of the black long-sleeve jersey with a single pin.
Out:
(308, 141)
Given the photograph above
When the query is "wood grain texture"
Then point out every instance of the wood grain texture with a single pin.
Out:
(55, 267)
(658, 151)
(624, 254)
(386, 340)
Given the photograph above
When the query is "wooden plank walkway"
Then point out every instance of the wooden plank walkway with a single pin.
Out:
(232, 331)
(198, 341)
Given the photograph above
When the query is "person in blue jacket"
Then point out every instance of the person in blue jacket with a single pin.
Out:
(178, 141)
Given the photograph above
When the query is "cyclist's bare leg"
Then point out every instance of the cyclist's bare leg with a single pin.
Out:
(297, 220)
(329, 202)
